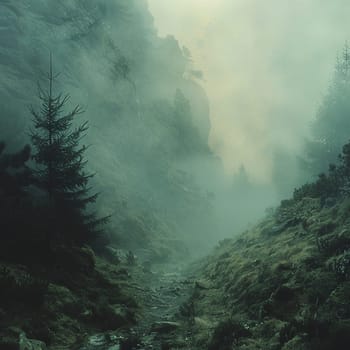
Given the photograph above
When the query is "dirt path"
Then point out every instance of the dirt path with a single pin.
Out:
(161, 292)
(167, 289)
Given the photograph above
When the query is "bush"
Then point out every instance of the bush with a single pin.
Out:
(326, 186)
(342, 265)
(226, 334)
(22, 287)
(333, 184)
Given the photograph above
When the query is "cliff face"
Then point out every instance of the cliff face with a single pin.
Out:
(284, 284)
(107, 53)
(146, 114)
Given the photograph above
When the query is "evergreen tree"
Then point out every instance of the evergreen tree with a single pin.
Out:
(241, 180)
(186, 133)
(330, 130)
(60, 168)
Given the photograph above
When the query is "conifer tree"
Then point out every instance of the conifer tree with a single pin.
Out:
(187, 134)
(330, 130)
(60, 170)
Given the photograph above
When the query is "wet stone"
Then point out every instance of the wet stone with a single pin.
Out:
(165, 326)
(103, 342)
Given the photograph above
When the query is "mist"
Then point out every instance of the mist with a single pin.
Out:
(174, 174)
(266, 66)
(197, 110)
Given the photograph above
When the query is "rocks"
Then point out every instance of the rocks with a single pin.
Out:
(297, 343)
(202, 284)
(30, 344)
(131, 258)
(202, 323)
(112, 317)
(165, 326)
(105, 341)
(113, 255)
(118, 256)
(14, 338)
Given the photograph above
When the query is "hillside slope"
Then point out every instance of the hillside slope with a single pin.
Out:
(284, 284)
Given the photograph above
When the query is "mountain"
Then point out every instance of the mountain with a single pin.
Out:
(148, 115)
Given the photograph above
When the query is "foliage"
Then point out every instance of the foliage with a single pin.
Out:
(22, 287)
(186, 134)
(334, 184)
(330, 128)
(60, 168)
(226, 334)
(342, 265)
(241, 180)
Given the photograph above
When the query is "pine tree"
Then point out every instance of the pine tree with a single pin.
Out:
(186, 133)
(60, 170)
(330, 130)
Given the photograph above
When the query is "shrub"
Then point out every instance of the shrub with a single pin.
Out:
(342, 265)
(22, 287)
(226, 334)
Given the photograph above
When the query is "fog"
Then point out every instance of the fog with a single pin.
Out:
(266, 66)
(179, 155)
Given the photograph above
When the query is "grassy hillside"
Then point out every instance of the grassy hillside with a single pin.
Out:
(284, 284)
(62, 304)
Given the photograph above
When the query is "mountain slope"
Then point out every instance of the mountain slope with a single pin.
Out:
(284, 284)
(148, 116)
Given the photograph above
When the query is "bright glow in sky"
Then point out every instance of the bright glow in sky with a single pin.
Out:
(266, 65)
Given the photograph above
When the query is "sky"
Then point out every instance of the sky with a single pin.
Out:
(266, 66)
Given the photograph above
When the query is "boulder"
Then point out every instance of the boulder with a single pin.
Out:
(112, 317)
(14, 338)
(297, 343)
(30, 344)
(165, 326)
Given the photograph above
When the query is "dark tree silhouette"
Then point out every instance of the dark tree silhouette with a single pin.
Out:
(14, 174)
(60, 168)
(15, 177)
(333, 184)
